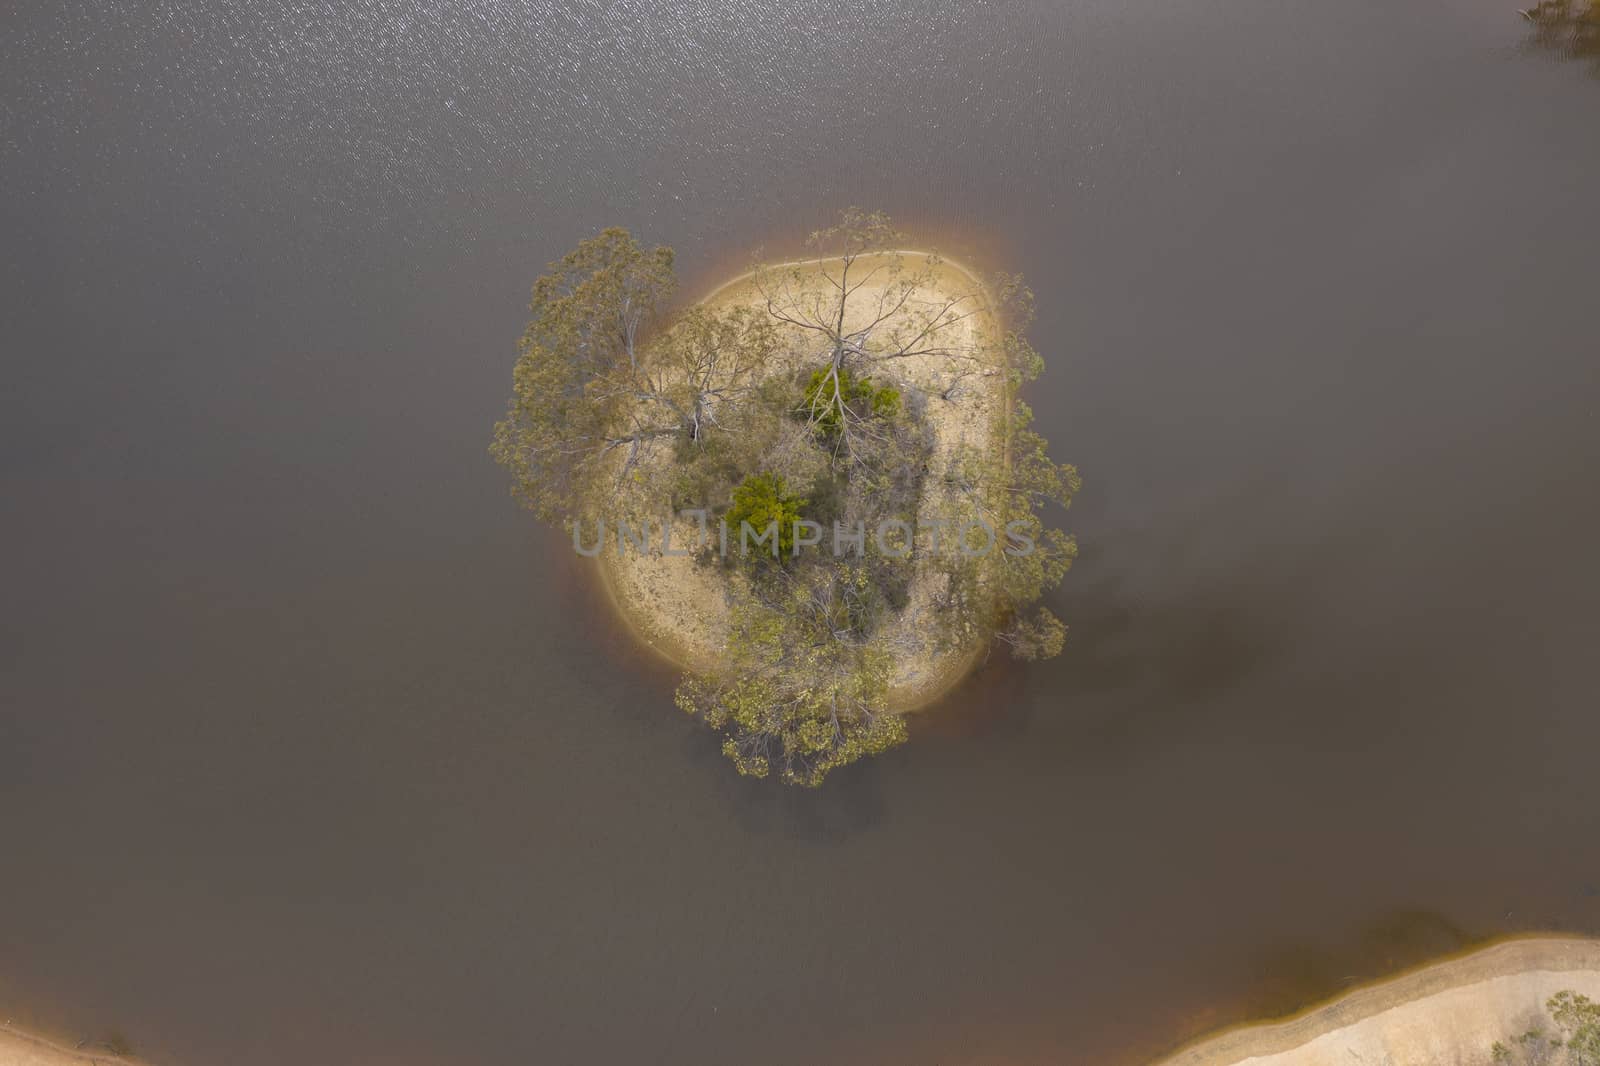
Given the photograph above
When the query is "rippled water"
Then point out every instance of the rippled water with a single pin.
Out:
(313, 748)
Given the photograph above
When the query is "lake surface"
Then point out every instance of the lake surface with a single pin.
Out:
(314, 748)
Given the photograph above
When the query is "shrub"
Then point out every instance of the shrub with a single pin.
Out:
(761, 500)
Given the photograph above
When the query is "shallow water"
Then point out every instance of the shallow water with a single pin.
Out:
(314, 748)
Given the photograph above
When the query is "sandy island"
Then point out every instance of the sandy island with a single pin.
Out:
(678, 609)
(1448, 1013)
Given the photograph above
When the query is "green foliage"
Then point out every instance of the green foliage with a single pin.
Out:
(1014, 302)
(1579, 1019)
(1040, 637)
(1009, 491)
(857, 233)
(803, 691)
(705, 366)
(571, 400)
(597, 301)
(886, 401)
(763, 500)
(833, 396)
(704, 472)
(603, 381)
(1031, 480)
(1531, 1048)
(1033, 475)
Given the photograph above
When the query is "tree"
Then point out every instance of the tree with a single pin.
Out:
(804, 689)
(571, 403)
(1579, 1019)
(764, 503)
(832, 398)
(860, 306)
(704, 365)
(603, 380)
(1006, 492)
(1040, 637)
(1532, 1048)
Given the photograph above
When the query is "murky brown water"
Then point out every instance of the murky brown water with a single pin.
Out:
(314, 749)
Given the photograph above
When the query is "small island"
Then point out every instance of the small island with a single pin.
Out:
(816, 490)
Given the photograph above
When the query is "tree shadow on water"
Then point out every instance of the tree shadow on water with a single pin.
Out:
(1132, 665)
(1190, 647)
(1140, 663)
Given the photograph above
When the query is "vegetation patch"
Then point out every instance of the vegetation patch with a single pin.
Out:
(1572, 1040)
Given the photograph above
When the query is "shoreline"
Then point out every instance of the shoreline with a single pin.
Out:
(682, 643)
(21, 1047)
(662, 646)
(1437, 1014)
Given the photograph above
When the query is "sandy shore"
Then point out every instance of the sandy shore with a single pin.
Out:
(678, 609)
(18, 1048)
(1446, 1014)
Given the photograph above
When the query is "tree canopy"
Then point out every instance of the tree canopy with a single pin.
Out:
(1575, 1041)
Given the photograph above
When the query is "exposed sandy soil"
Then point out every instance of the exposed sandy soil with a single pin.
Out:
(1447, 1014)
(679, 609)
(18, 1048)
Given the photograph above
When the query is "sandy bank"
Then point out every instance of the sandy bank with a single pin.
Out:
(1447, 1014)
(18, 1048)
(678, 609)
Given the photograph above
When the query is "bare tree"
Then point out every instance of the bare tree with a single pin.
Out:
(859, 306)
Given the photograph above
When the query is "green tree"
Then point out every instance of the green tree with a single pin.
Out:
(831, 399)
(1007, 492)
(604, 381)
(1579, 1019)
(1577, 1043)
(1532, 1048)
(1039, 637)
(571, 408)
(804, 689)
(764, 502)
